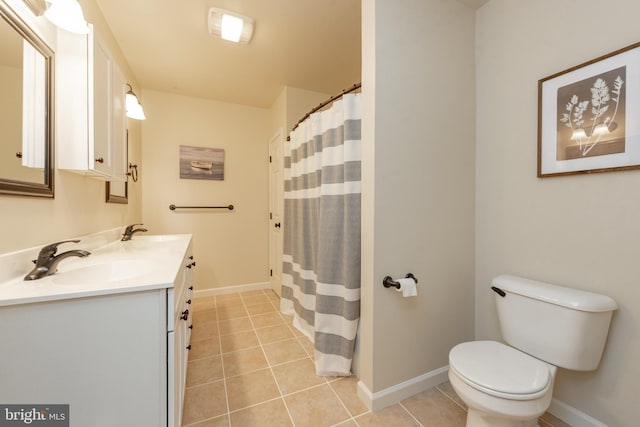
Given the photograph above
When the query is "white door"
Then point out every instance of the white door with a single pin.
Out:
(276, 206)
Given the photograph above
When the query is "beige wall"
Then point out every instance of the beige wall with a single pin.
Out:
(231, 246)
(418, 185)
(291, 105)
(300, 102)
(79, 205)
(580, 231)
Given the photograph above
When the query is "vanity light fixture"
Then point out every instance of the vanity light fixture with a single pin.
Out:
(67, 14)
(134, 109)
(230, 26)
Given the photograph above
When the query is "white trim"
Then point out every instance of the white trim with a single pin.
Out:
(394, 394)
(231, 289)
(572, 416)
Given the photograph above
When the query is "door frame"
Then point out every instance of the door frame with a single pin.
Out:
(276, 208)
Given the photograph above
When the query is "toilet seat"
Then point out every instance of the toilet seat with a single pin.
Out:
(500, 370)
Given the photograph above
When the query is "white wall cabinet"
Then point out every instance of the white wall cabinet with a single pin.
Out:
(117, 359)
(90, 108)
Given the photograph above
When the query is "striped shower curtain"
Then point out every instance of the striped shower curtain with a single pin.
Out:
(321, 260)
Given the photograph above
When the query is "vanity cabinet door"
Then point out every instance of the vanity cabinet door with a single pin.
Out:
(178, 339)
(105, 356)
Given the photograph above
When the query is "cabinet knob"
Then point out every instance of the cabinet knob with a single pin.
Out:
(190, 288)
(188, 301)
(185, 315)
(189, 347)
(99, 160)
(190, 326)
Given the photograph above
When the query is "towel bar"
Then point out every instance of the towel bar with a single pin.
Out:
(174, 207)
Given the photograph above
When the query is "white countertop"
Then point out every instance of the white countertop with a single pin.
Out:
(144, 263)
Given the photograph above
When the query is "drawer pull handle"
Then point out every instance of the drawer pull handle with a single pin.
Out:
(185, 315)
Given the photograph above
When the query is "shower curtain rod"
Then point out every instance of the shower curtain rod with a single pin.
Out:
(327, 102)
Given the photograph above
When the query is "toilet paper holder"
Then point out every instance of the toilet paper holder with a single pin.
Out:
(388, 281)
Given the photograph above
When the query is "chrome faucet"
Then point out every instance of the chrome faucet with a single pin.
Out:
(47, 261)
(128, 232)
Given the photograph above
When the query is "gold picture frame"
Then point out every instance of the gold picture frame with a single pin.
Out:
(589, 116)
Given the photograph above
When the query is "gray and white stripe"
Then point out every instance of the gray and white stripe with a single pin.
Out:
(321, 261)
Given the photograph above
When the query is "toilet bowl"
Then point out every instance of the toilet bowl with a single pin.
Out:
(501, 386)
(544, 327)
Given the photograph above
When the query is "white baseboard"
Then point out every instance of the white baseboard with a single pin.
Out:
(231, 289)
(394, 394)
(572, 416)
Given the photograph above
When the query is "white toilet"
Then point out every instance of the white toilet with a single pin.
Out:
(545, 326)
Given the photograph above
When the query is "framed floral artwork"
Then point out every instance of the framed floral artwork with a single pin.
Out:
(589, 116)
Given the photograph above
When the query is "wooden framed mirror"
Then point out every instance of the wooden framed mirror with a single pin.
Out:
(26, 109)
(116, 191)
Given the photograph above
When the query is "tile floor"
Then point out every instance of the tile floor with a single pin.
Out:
(249, 367)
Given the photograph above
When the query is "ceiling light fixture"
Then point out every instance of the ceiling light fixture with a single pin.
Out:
(134, 109)
(230, 26)
(67, 14)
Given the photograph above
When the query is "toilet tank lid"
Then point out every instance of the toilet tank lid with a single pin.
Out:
(554, 294)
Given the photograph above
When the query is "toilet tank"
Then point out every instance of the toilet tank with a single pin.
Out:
(562, 326)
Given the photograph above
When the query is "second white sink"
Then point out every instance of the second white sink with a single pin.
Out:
(114, 271)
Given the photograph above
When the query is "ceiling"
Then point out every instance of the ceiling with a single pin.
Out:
(308, 44)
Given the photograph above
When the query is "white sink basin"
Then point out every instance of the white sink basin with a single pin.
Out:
(148, 262)
(155, 238)
(113, 271)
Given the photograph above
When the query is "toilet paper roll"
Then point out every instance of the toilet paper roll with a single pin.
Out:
(407, 287)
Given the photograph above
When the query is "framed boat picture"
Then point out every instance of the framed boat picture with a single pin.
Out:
(201, 163)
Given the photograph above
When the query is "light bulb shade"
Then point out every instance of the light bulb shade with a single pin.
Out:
(136, 112)
(230, 25)
(134, 109)
(67, 14)
(131, 100)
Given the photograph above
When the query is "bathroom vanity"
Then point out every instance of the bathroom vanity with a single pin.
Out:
(108, 334)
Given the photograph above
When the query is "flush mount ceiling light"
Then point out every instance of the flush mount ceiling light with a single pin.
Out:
(134, 109)
(67, 14)
(230, 25)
